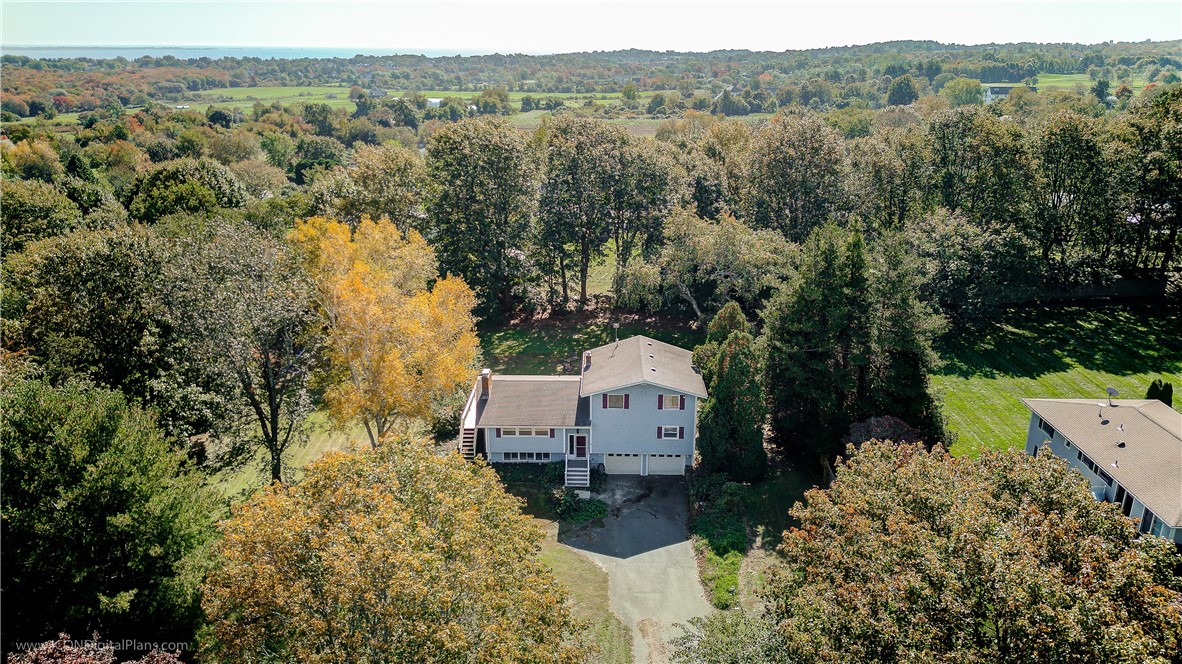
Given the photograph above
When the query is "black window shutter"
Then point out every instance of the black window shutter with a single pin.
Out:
(626, 402)
(682, 400)
(660, 431)
(681, 433)
(498, 432)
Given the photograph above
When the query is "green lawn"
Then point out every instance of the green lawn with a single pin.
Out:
(1068, 81)
(589, 599)
(1067, 352)
(323, 438)
(539, 346)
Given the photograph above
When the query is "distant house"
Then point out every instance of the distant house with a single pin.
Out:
(1130, 452)
(632, 410)
(434, 102)
(995, 92)
(377, 92)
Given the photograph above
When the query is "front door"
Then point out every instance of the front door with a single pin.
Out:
(578, 446)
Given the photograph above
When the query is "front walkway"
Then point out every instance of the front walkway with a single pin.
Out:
(645, 548)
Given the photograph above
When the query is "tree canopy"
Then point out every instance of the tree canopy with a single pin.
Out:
(394, 555)
(103, 522)
(924, 557)
(394, 342)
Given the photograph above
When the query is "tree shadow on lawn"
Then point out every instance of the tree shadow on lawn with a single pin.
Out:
(1119, 339)
(767, 502)
(541, 345)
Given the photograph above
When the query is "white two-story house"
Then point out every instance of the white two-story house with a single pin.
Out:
(632, 410)
(1130, 450)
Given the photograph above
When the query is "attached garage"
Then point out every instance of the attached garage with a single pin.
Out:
(622, 464)
(666, 464)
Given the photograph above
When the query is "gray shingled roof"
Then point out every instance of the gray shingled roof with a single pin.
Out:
(550, 401)
(639, 360)
(1149, 465)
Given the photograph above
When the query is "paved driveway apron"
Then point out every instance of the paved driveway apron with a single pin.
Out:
(645, 549)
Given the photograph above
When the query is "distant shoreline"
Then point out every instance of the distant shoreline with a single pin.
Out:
(132, 52)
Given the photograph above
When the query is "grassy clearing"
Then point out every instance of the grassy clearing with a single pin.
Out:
(539, 346)
(736, 528)
(1059, 353)
(324, 437)
(589, 598)
(1069, 81)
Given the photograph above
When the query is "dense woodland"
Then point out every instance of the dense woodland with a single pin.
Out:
(183, 289)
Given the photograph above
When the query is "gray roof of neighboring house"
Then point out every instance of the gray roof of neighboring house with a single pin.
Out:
(542, 401)
(641, 360)
(1149, 465)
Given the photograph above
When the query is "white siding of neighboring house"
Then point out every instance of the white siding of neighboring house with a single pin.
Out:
(634, 430)
(1064, 449)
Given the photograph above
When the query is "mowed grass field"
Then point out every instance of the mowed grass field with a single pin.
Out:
(1069, 81)
(539, 346)
(1060, 353)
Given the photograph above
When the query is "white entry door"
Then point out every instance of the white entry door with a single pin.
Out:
(622, 464)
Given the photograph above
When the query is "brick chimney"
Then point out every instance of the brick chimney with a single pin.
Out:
(485, 383)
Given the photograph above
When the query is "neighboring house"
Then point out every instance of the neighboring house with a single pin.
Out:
(1130, 452)
(434, 102)
(995, 92)
(632, 410)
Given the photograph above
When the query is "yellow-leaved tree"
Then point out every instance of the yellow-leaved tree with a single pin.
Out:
(395, 342)
(394, 555)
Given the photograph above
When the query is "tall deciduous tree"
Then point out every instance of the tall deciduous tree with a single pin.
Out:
(395, 555)
(101, 520)
(795, 175)
(730, 438)
(963, 92)
(706, 263)
(96, 303)
(981, 167)
(573, 208)
(903, 91)
(386, 181)
(394, 344)
(1072, 196)
(917, 556)
(891, 172)
(482, 171)
(31, 210)
(248, 314)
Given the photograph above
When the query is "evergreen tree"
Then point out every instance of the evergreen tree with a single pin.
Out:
(728, 320)
(730, 438)
(903, 91)
(844, 342)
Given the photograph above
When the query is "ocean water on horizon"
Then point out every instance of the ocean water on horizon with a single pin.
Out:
(214, 52)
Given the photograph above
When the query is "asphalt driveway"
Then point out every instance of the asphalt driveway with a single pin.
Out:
(645, 548)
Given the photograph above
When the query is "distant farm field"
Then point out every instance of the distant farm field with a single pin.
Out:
(1069, 81)
(1060, 353)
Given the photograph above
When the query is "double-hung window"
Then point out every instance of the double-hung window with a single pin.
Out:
(670, 432)
(670, 402)
(615, 401)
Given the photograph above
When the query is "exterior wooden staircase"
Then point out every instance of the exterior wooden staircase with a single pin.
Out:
(578, 472)
(468, 444)
(467, 447)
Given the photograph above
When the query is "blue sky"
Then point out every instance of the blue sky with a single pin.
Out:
(578, 25)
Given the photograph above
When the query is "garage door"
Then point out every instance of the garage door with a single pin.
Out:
(621, 464)
(666, 464)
